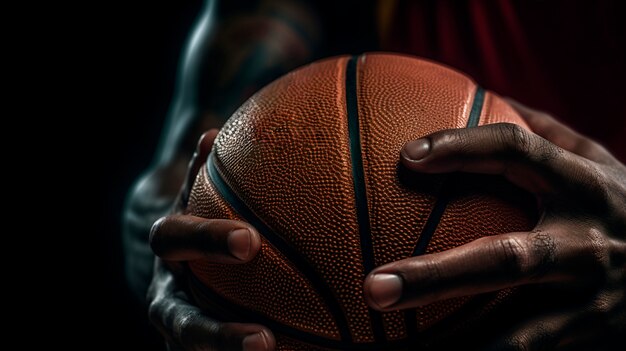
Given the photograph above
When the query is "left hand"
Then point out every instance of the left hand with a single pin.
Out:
(578, 245)
(178, 238)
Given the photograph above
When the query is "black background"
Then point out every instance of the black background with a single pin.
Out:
(136, 52)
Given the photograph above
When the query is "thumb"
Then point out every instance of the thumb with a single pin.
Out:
(203, 148)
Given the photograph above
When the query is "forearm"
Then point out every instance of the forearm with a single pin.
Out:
(225, 62)
(138, 218)
(151, 197)
(234, 50)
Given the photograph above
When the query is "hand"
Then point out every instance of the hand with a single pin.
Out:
(179, 238)
(576, 253)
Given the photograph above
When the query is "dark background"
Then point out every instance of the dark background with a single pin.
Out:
(136, 56)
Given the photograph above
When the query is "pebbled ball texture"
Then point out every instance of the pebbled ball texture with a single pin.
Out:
(286, 155)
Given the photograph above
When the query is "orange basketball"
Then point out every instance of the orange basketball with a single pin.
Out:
(312, 162)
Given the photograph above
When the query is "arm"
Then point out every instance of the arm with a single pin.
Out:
(235, 48)
(230, 54)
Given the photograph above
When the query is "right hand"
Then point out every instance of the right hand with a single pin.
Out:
(178, 238)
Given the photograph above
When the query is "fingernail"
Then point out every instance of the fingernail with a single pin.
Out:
(239, 243)
(417, 149)
(255, 342)
(385, 289)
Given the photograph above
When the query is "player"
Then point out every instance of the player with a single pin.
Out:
(576, 255)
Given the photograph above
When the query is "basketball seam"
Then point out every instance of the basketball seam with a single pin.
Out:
(246, 315)
(440, 206)
(477, 108)
(442, 201)
(304, 267)
(360, 194)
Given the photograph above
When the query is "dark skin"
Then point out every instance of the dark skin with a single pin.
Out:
(579, 243)
(178, 238)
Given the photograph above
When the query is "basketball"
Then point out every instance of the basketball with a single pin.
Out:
(312, 162)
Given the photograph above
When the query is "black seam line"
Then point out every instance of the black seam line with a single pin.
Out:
(410, 316)
(433, 220)
(477, 108)
(245, 315)
(444, 195)
(281, 245)
(410, 323)
(360, 194)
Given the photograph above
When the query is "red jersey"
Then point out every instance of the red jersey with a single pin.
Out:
(564, 57)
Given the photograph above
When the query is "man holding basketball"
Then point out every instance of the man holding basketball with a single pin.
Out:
(574, 259)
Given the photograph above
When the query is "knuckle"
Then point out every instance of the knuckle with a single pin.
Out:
(513, 254)
(155, 312)
(529, 258)
(195, 331)
(542, 255)
(540, 335)
(522, 144)
(516, 342)
(181, 329)
(515, 139)
(606, 308)
(152, 312)
(543, 150)
(599, 249)
(222, 336)
(186, 325)
(602, 305)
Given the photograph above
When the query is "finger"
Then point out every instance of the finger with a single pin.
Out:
(224, 336)
(523, 157)
(561, 135)
(203, 148)
(583, 327)
(544, 333)
(185, 238)
(185, 325)
(484, 265)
